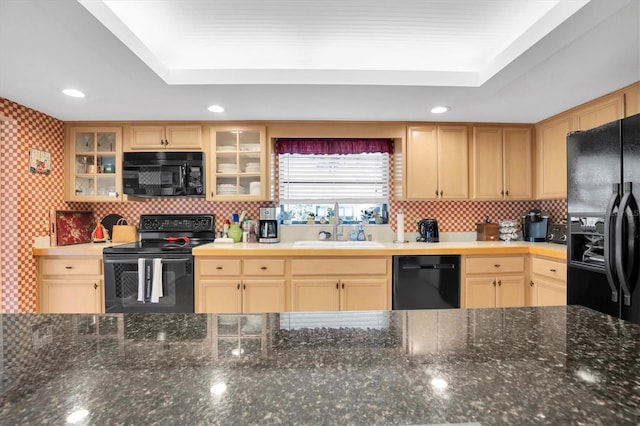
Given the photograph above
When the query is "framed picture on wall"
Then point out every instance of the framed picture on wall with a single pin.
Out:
(39, 161)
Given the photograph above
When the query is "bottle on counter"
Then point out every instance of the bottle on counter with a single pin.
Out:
(361, 236)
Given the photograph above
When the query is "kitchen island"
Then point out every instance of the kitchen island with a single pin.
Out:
(545, 365)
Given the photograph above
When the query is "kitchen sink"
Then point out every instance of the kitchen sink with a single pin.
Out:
(336, 244)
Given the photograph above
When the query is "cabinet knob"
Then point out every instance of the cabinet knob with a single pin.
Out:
(436, 192)
(343, 285)
(219, 268)
(494, 283)
(531, 283)
(441, 192)
(497, 265)
(68, 267)
(499, 282)
(238, 286)
(337, 286)
(244, 286)
(552, 270)
(264, 268)
(502, 192)
(507, 193)
(95, 286)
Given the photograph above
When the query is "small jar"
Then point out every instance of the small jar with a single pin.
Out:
(235, 232)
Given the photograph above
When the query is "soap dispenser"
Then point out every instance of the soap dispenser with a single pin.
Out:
(361, 236)
(353, 236)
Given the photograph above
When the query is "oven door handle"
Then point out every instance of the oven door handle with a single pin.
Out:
(135, 261)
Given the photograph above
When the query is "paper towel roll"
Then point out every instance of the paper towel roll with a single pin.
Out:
(400, 227)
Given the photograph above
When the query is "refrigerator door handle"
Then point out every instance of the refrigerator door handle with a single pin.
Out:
(627, 203)
(609, 265)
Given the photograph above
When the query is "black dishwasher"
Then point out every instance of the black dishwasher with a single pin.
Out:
(426, 282)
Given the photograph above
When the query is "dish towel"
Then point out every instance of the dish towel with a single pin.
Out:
(156, 283)
(141, 279)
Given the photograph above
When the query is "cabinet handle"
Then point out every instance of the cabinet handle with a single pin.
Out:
(95, 286)
(238, 286)
(244, 286)
(497, 265)
(264, 268)
(531, 283)
(441, 192)
(507, 193)
(68, 267)
(436, 192)
(343, 285)
(499, 282)
(502, 192)
(337, 286)
(219, 268)
(552, 270)
(494, 283)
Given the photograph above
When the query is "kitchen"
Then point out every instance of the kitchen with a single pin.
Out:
(23, 298)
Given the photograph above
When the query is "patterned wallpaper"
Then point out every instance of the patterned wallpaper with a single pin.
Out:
(27, 199)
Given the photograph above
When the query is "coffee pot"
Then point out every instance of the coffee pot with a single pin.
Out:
(428, 231)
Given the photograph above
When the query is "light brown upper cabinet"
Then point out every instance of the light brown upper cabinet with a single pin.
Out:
(437, 163)
(238, 168)
(551, 138)
(501, 163)
(176, 137)
(93, 157)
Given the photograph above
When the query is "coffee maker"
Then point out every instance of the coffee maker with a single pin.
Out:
(268, 226)
(534, 226)
(428, 231)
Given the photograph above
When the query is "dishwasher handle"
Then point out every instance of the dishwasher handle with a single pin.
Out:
(414, 266)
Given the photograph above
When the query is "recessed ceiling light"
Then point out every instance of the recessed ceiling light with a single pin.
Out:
(439, 109)
(216, 108)
(73, 93)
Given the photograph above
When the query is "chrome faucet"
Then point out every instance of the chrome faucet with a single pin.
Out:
(336, 223)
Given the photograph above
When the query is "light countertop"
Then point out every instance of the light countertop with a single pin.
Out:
(557, 251)
(511, 366)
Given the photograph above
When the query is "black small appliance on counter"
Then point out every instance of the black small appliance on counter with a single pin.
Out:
(534, 226)
(428, 231)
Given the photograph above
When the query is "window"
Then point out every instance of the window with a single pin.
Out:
(310, 184)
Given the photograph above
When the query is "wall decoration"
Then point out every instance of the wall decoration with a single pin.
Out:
(39, 161)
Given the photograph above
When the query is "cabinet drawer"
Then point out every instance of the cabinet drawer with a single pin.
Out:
(263, 267)
(353, 266)
(493, 265)
(71, 266)
(220, 267)
(549, 268)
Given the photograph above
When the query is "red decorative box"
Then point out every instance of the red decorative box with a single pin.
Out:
(71, 227)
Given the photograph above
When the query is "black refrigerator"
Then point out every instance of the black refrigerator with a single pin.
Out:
(603, 185)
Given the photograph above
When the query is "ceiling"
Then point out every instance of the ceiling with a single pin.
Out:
(363, 60)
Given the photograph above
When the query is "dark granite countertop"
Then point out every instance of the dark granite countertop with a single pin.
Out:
(513, 366)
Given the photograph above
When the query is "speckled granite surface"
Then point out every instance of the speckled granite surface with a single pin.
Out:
(557, 365)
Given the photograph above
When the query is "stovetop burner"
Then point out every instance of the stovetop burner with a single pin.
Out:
(169, 234)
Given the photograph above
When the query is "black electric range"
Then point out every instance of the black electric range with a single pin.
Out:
(155, 274)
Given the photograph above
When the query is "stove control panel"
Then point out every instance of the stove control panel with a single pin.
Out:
(177, 223)
(557, 233)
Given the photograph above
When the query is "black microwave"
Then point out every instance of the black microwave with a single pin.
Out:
(163, 174)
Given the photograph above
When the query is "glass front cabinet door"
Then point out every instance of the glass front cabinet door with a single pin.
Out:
(238, 168)
(94, 162)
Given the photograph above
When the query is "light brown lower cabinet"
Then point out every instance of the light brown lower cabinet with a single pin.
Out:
(494, 281)
(226, 285)
(70, 285)
(548, 284)
(349, 294)
(340, 284)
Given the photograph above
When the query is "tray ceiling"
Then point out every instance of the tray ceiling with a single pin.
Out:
(404, 42)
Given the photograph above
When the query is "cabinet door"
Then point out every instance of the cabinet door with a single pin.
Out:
(147, 137)
(188, 137)
(486, 164)
(239, 165)
(549, 293)
(551, 164)
(597, 113)
(510, 291)
(453, 163)
(481, 292)
(263, 296)
(363, 294)
(89, 153)
(518, 163)
(75, 296)
(315, 295)
(422, 163)
(220, 296)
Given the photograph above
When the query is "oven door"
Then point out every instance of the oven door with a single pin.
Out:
(123, 282)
